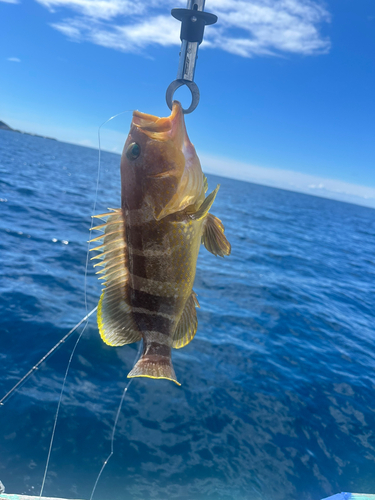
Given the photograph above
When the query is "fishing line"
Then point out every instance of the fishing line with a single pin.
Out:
(58, 410)
(86, 309)
(46, 356)
(96, 197)
(135, 359)
(115, 424)
(60, 342)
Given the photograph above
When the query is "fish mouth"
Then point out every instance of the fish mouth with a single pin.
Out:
(166, 173)
(164, 128)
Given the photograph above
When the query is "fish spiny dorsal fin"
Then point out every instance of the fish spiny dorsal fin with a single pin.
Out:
(213, 237)
(115, 321)
(188, 324)
(101, 216)
(206, 205)
(102, 226)
(205, 183)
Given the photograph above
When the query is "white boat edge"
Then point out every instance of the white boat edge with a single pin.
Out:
(351, 496)
(338, 496)
(14, 496)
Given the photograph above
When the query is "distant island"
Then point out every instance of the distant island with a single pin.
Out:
(4, 126)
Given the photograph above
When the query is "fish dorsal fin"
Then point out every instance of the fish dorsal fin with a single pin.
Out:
(214, 238)
(206, 205)
(188, 324)
(115, 321)
(205, 183)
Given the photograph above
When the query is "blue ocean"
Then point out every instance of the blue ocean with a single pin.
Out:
(278, 387)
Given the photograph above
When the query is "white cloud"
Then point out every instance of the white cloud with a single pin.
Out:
(161, 30)
(287, 179)
(98, 9)
(13, 59)
(246, 27)
(272, 26)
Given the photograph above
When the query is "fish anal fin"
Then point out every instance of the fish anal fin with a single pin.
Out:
(188, 324)
(214, 238)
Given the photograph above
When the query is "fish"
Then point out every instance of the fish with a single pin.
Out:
(149, 247)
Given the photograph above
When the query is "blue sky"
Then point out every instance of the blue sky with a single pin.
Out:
(287, 86)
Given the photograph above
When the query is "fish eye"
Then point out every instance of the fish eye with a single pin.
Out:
(133, 151)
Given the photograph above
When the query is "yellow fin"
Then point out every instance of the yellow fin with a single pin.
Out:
(107, 214)
(158, 367)
(115, 320)
(206, 205)
(213, 237)
(188, 324)
(205, 183)
(98, 238)
(102, 226)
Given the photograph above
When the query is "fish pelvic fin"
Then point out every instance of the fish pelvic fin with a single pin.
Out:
(154, 366)
(213, 237)
(188, 324)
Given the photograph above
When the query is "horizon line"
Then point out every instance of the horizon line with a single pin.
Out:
(214, 165)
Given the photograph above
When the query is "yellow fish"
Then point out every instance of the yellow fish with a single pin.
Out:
(150, 245)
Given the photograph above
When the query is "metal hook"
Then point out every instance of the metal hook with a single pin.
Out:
(193, 21)
(176, 84)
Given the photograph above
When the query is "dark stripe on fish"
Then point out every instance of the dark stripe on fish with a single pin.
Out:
(148, 235)
(138, 265)
(155, 268)
(134, 238)
(155, 303)
(147, 322)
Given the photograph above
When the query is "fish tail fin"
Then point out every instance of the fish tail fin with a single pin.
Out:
(154, 366)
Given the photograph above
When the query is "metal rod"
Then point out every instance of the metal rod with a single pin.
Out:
(193, 21)
(189, 50)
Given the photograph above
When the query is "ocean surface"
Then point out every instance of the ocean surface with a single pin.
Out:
(278, 387)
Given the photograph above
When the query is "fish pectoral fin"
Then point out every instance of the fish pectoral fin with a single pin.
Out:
(188, 324)
(214, 238)
(206, 205)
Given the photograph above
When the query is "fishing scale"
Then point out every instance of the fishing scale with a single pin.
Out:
(193, 21)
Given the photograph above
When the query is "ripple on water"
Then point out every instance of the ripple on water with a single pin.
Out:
(277, 388)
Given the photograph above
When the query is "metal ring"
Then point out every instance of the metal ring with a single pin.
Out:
(176, 84)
